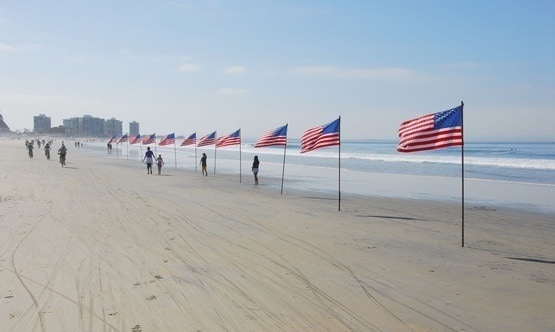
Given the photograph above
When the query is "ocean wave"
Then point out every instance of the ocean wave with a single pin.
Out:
(506, 162)
(539, 164)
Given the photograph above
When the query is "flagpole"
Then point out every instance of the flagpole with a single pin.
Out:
(174, 152)
(196, 163)
(462, 175)
(339, 167)
(240, 155)
(215, 137)
(283, 168)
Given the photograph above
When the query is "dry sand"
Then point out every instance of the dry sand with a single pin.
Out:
(102, 246)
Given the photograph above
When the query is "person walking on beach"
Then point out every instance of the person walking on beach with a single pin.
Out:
(203, 164)
(160, 163)
(255, 165)
(149, 157)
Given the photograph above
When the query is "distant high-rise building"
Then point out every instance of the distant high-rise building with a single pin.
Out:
(134, 128)
(91, 126)
(87, 126)
(71, 126)
(42, 124)
(113, 127)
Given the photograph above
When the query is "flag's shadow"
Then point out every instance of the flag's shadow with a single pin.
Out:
(534, 260)
(388, 217)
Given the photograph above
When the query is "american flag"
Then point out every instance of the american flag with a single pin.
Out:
(113, 139)
(169, 139)
(273, 137)
(207, 140)
(149, 139)
(123, 139)
(190, 140)
(322, 136)
(231, 139)
(432, 131)
(135, 140)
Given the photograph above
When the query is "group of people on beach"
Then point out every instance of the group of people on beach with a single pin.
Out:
(30, 145)
(149, 158)
(47, 145)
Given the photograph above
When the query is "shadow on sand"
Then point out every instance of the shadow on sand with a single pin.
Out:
(534, 260)
(388, 217)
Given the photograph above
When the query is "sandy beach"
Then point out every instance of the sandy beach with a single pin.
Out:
(101, 246)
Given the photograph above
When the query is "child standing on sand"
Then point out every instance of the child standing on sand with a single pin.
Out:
(160, 163)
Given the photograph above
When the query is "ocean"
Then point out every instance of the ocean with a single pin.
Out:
(527, 169)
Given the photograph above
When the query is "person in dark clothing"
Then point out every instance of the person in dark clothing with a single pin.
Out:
(62, 151)
(255, 165)
(203, 164)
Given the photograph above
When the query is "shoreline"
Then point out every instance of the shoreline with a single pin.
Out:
(527, 196)
(101, 245)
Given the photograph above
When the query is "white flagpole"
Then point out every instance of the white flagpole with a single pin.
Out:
(462, 176)
(339, 167)
(196, 162)
(174, 151)
(215, 140)
(283, 168)
(240, 155)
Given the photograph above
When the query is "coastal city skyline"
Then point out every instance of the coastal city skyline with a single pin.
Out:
(199, 66)
(84, 126)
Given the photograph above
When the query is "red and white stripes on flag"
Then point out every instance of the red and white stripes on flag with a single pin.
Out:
(207, 140)
(273, 137)
(149, 139)
(432, 131)
(135, 140)
(322, 136)
(123, 139)
(231, 139)
(190, 140)
(169, 139)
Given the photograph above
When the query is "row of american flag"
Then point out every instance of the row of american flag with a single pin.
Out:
(431, 131)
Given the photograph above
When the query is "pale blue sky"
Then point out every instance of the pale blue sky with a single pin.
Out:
(183, 66)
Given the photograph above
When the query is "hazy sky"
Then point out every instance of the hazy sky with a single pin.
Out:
(184, 66)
